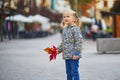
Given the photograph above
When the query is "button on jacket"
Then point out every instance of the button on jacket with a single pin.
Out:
(71, 42)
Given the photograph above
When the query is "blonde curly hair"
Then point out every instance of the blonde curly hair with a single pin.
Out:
(75, 15)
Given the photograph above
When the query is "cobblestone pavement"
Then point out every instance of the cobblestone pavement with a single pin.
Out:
(24, 59)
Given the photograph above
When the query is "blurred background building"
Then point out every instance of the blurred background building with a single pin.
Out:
(42, 17)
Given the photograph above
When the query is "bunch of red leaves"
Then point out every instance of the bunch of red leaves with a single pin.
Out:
(52, 52)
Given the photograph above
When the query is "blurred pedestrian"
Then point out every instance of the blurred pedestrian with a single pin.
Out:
(95, 31)
(9, 28)
(71, 44)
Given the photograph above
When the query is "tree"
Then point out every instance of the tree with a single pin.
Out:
(1, 18)
(116, 7)
(81, 6)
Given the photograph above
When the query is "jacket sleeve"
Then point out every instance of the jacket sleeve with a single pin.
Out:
(78, 40)
(60, 47)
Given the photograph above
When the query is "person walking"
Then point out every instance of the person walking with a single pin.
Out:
(71, 44)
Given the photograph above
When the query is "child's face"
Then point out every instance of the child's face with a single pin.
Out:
(68, 18)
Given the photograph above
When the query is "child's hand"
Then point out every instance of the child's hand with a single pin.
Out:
(58, 52)
(75, 57)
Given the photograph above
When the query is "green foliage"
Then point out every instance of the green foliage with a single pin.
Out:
(75, 4)
(83, 2)
(116, 7)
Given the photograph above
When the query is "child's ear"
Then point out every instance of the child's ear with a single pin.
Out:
(74, 20)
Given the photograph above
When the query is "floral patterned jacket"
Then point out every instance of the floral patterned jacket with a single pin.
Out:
(71, 42)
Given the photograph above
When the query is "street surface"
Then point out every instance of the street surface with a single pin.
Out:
(24, 59)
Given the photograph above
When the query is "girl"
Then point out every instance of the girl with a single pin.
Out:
(71, 44)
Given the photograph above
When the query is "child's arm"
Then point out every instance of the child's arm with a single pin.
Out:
(78, 41)
(60, 48)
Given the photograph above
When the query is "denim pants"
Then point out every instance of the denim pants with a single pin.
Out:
(72, 69)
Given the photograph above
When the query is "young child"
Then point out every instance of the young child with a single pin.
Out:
(71, 44)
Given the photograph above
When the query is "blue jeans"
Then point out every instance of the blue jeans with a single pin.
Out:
(72, 69)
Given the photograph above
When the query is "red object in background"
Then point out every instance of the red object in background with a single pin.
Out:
(52, 52)
(105, 3)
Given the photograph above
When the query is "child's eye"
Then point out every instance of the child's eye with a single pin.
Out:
(68, 16)
(63, 16)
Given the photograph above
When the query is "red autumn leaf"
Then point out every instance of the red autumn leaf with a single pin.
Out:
(51, 57)
(52, 52)
(48, 50)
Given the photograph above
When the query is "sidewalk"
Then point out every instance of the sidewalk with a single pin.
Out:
(24, 59)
